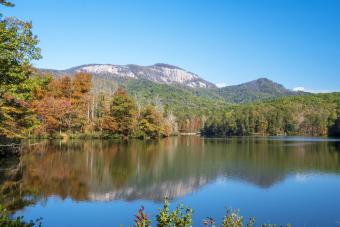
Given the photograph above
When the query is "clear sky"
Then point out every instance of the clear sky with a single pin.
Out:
(296, 43)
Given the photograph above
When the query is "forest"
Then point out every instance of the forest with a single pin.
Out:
(55, 108)
(308, 115)
(38, 105)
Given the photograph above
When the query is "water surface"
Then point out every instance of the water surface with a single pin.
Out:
(103, 183)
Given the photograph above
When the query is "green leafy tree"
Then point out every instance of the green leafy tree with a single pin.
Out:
(123, 111)
(151, 123)
(17, 50)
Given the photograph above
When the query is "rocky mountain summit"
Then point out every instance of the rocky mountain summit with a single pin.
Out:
(158, 73)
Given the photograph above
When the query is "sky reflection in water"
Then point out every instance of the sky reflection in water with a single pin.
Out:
(87, 183)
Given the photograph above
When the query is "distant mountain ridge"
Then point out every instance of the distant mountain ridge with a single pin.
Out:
(174, 84)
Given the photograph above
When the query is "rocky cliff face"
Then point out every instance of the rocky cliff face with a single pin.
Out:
(158, 73)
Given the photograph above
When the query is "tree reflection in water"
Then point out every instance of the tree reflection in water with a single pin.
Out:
(108, 170)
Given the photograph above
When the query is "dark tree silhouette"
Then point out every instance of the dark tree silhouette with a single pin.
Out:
(6, 3)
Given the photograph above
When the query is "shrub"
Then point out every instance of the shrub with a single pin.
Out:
(6, 220)
(182, 217)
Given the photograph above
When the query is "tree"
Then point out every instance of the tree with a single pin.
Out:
(171, 126)
(123, 111)
(63, 104)
(17, 49)
(53, 113)
(314, 115)
(15, 118)
(81, 87)
(151, 123)
(334, 130)
(6, 3)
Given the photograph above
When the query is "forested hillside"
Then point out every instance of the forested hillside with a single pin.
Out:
(164, 77)
(256, 90)
(182, 102)
(312, 115)
(190, 105)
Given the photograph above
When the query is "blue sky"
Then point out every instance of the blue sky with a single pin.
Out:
(296, 43)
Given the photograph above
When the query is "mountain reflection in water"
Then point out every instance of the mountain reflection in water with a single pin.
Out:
(101, 170)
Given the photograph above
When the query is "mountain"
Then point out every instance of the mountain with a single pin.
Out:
(255, 90)
(158, 73)
(181, 91)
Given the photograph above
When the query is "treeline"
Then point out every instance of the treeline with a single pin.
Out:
(312, 115)
(65, 106)
(42, 106)
(190, 106)
(34, 105)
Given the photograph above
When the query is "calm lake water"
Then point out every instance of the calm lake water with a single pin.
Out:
(103, 183)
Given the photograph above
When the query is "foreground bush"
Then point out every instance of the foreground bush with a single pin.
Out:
(182, 217)
(8, 221)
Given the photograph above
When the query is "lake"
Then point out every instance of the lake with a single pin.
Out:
(278, 180)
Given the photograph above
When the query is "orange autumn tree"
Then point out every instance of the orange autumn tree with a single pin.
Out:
(52, 105)
(81, 88)
(64, 105)
(53, 113)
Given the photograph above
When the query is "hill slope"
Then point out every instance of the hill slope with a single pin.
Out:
(255, 90)
(174, 86)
